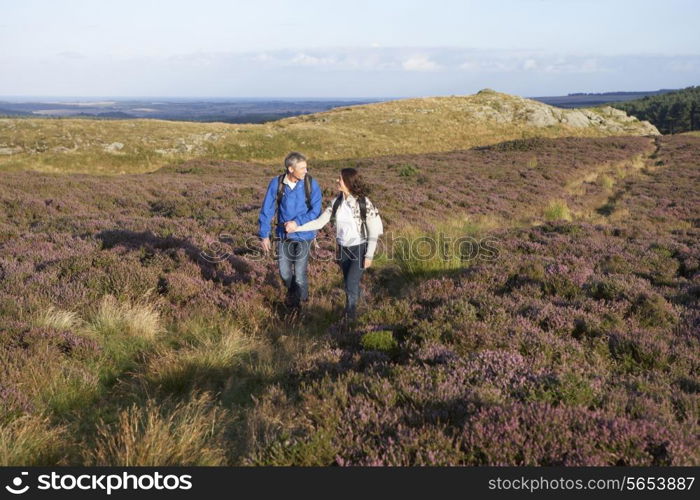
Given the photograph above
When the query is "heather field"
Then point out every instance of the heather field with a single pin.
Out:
(534, 302)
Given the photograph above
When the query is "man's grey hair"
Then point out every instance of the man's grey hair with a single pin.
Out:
(292, 159)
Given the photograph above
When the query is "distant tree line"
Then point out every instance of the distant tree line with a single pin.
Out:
(671, 113)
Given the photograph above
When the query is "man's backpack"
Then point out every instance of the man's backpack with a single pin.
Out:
(280, 193)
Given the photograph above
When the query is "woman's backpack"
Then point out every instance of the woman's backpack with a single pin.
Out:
(362, 202)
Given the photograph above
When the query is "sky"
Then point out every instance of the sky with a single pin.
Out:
(312, 48)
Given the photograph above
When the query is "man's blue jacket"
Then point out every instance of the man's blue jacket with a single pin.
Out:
(292, 207)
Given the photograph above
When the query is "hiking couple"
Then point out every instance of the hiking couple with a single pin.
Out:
(291, 213)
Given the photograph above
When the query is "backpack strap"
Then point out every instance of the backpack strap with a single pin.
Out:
(280, 190)
(307, 190)
(363, 215)
(362, 202)
(336, 206)
(280, 193)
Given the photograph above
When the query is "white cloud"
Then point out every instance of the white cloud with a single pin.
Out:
(303, 59)
(574, 65)
(488, 66)
(263, 58)
(71, 55)
(344, 71)
(515, 62)
(684, 66)
(420, 63)
(529, 64)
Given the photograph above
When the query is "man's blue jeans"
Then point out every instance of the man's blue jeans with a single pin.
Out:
(293, 258)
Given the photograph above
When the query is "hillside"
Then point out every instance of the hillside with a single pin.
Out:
(409, 126)
(671, 113)
(140, 326)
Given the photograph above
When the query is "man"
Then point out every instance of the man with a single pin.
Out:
(297, 201)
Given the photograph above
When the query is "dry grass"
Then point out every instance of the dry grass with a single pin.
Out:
(48, 380)
(138, 319)
(209, 356)
(155, 435)
(606, 174)
(450, 245)
(30, 440)
(606, 182)
(58, 319)
(52, 376)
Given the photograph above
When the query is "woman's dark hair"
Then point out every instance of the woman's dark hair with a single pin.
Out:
(354, 182)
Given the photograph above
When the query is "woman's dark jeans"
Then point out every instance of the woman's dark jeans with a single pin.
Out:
(351, 260)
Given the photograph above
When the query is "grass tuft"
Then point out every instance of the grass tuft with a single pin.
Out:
(382, 340)
(151, 435)
(132, 319)
(30, 440)
(557, 210)
(58, 319)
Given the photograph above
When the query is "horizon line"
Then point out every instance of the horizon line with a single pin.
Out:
(317, 98)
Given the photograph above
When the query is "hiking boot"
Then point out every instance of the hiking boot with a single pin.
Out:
(291, 302)
(348, 322)
(350, 315)
(291, 314)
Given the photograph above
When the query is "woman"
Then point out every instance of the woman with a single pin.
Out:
(358, 227)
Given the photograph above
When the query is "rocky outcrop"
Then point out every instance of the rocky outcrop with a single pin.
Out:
(502, 108)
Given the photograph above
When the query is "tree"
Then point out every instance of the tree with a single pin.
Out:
(672, 112)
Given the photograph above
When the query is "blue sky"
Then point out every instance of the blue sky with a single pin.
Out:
(269, 48)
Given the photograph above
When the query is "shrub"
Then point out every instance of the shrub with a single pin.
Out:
(382, 340)
(540, 434)
(614, 264)
(170, 208)
(595, 327)
(408, 170)
(551, 283)
(586, 328)
(532, 272)
(568, 389)
(635, 354)
(557, 210)
(652, 311)
(606, 182)
(607, 289)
